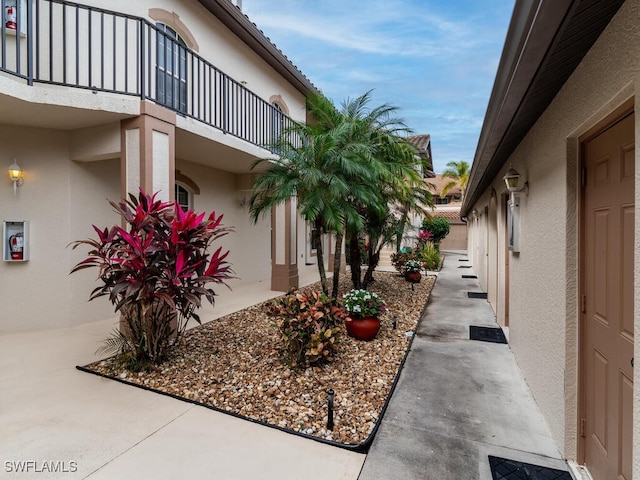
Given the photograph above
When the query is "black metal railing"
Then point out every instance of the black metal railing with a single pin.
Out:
(64, 43)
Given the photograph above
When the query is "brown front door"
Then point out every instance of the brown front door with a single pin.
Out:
(608, 262)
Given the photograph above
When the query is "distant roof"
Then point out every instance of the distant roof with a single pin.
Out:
(233, 18)
(439, 182)
(451, 215)
(423, 144)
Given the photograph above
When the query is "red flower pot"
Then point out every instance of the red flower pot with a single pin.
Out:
(413, 277)
(363, 328)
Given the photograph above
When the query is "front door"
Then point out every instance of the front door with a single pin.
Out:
(608, 263)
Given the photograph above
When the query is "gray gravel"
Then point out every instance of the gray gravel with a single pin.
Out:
(233, 364)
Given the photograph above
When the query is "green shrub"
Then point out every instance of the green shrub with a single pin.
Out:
(430, 256)
(308, 322)
(437, 227)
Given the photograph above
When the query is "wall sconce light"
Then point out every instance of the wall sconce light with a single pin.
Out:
(16, 174)
(474, 214)
(512, 179)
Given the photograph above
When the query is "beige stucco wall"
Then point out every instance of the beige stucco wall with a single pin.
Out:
(249, 244)
(60, 199)
(457, 238)
(543, 276)
(71, 151)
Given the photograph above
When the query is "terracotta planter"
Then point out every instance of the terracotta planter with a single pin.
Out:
(413, 277)
(363, 328)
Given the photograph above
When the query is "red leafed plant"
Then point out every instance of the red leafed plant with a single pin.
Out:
(155, 272)
(308, 322)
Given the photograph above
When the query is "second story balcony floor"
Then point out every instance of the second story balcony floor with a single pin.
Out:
(88, 50)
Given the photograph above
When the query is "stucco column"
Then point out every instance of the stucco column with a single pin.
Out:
(148, 152)
(284, 251)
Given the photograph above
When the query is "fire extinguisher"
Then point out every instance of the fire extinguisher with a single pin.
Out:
(11, 17)
(16, 245)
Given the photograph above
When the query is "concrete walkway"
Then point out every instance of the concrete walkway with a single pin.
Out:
(458, 400)
(100, 429)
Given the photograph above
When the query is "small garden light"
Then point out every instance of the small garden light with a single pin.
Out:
(330, 395)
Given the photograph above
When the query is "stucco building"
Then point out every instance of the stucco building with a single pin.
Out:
(558, 257)
(98, 100)
(448, 207)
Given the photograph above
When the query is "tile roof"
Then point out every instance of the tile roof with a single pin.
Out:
(451, 215)
(423, 144)
(439, 182)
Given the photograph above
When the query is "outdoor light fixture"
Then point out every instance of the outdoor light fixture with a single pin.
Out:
(16, 174)
(512, 179)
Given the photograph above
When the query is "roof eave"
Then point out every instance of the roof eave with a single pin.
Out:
(532, 29)
(233, 18)
(545, 43)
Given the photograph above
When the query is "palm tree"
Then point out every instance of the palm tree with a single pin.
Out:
(321, 170)
(459, 173)
(393, 176)
(401, 188)
(347, 168)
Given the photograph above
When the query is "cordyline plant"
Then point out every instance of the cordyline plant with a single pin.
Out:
(308, 322)
(155, 272)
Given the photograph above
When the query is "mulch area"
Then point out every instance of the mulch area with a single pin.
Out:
(233, 364)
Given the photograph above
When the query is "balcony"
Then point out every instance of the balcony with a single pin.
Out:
(71, 45)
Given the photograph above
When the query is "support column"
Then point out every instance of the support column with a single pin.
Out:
(284, 252)
(148, 152)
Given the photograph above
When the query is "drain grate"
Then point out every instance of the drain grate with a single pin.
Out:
(469, 276)
(477, 295)
(503, 469)
(487, 334)
(463, 259)
(464, 266)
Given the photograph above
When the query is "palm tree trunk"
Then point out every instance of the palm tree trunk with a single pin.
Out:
(336, 265)
(320, 255)
(355, 261)
(374, 259)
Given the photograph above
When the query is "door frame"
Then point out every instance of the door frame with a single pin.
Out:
(624, 110)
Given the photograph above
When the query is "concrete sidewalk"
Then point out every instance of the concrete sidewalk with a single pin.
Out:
(95, 428)
(458, 400)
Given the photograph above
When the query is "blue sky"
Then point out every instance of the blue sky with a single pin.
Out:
(434, 59)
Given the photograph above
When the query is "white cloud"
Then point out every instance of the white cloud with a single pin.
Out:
(434, 59)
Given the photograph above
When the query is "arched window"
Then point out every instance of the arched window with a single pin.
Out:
(184, 198)
(171, 69)
(276, 121)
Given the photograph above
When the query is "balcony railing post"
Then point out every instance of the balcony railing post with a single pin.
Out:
(194, 87)
(30, 35)
(143, 50)
(225, 104)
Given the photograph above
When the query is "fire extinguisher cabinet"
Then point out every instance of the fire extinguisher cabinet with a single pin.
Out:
(15, 241)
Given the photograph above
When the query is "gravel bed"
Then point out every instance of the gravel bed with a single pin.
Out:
(233, 363)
